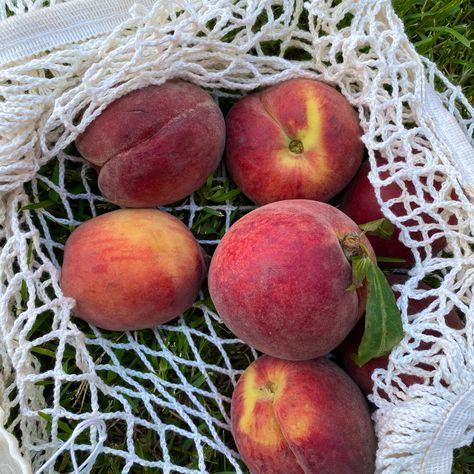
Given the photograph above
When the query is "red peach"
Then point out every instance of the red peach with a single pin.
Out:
(305, 417)
(362, 375)
(297, 139)
(155, 145)
(360, 204)
(279, 279)
(132, 269)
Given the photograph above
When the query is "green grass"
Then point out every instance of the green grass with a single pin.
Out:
(443, 31)
(208, 225)
(440, 30)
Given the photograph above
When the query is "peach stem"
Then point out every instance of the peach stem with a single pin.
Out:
(351, 245)
(296, 146)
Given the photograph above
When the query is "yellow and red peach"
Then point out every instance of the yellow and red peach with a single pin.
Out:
(362, 375)
(299, 139)
(155, 145)
(280, 277)
(360, 204)
(301, 417)
(132, 269)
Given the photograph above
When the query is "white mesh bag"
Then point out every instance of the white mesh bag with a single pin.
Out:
(158, 400)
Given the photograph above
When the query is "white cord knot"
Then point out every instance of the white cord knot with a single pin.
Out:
(94, 420)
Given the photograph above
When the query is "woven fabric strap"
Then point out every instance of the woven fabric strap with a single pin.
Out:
(65, 23)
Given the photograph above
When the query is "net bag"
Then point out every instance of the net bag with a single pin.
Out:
(159, 399)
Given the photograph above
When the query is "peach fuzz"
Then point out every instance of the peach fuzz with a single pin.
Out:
(362, 375)
(132, 269)
(299, 139)
(279, 279)
(155, 145)
(301, 418)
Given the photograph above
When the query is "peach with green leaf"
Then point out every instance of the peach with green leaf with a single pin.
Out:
(282, 279)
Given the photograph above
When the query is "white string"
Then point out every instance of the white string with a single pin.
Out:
(446, 126)
(438, 459)
(61, 24)
(371, 61)
(96, 421)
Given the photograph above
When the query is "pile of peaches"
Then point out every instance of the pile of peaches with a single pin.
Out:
(292, 278)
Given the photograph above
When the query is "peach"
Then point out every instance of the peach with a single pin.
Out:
(299, 139)
(305, 417)
(280, 277)
(362, 375)
(360, 204)
(132, 269)
(155, 145)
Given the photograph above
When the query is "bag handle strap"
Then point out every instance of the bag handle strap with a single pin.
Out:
(48, 28)
(453, 137)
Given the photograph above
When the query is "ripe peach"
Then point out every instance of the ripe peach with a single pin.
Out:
(155, 145)
(301, 417)
(360, 204)
(363, 375)
(132, 269)
(279, 279)
(297, 139)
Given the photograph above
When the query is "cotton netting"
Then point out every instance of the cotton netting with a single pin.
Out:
(164, 393)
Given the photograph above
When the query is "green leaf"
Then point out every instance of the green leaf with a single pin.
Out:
(224, 196)
(360, 267)
(390, 260)
(433, 280)
(382, 228)
(453, 32)
(30, 252)
(24, 292)
(212, 212)
(209, 180)
(61, 424)
(43, 351)
(383, 323)
(37, 205)
(45, 416)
